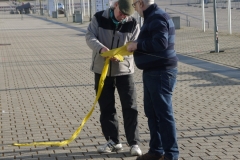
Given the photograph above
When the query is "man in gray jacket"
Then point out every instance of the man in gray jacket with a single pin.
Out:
(109, 29)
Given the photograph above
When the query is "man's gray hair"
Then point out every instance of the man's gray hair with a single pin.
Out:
(113, 3)
(148, 2)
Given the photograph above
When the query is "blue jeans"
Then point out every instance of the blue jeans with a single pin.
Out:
(158, 89)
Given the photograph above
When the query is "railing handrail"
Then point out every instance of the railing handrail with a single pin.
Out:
(186, 16)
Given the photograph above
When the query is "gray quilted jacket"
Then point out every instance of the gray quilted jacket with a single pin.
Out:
(103, 32)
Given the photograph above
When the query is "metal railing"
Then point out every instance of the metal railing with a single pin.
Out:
(187, 16)
(220, 3)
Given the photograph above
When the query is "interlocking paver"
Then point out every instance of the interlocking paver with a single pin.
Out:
(46, 89)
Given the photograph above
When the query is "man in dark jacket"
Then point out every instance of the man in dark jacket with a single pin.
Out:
(110, 29)
(154, 54)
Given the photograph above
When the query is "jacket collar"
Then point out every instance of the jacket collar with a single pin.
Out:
(149, 10)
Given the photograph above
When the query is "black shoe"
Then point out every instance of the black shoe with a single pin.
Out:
(148, 156)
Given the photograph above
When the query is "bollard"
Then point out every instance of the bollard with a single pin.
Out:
(176, 21)
(78, 17)
(54, 14)
(73, 17)
(41, 11)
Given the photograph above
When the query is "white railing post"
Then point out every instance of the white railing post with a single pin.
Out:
(83, 8)
(72, 7)
(203, 16)
(88, 8)
(229, 17)
(69, 7)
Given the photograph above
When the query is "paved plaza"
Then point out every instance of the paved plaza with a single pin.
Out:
(47, 88)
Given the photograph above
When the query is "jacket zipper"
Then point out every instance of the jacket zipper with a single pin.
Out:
(110, 62)
(114, 31)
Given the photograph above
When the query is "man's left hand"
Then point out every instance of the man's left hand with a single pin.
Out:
(114, 59)
(132, 46)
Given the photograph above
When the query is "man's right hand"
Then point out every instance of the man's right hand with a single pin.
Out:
(112, 58)
(104, 50)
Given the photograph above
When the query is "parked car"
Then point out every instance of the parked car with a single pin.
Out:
(60, 6)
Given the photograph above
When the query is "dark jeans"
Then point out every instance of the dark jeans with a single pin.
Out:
(158, 89)
(108, 118)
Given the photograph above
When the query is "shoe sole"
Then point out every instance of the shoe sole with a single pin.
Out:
(114, 150)
(136, 154)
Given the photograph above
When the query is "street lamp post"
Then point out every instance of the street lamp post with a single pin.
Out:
(215, 28)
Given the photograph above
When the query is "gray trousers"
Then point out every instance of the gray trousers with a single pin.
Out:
(108, 118)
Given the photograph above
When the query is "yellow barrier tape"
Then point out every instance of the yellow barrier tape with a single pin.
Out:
(117, 53)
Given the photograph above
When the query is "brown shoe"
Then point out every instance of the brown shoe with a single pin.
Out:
(148, 156)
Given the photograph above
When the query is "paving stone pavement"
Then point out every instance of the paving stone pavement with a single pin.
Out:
(46, 89)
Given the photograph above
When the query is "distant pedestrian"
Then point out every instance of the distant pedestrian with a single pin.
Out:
(154, 54)
(110, 29)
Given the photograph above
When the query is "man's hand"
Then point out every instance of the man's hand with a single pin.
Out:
(131, 46)
(112, 58)
(104, 49)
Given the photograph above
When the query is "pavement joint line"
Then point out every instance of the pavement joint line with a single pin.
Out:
(61, 24)
(209, 66)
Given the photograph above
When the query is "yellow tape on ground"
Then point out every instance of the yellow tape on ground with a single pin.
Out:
(117, 53)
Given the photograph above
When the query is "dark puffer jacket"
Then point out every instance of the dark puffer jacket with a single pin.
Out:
(155, 49)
